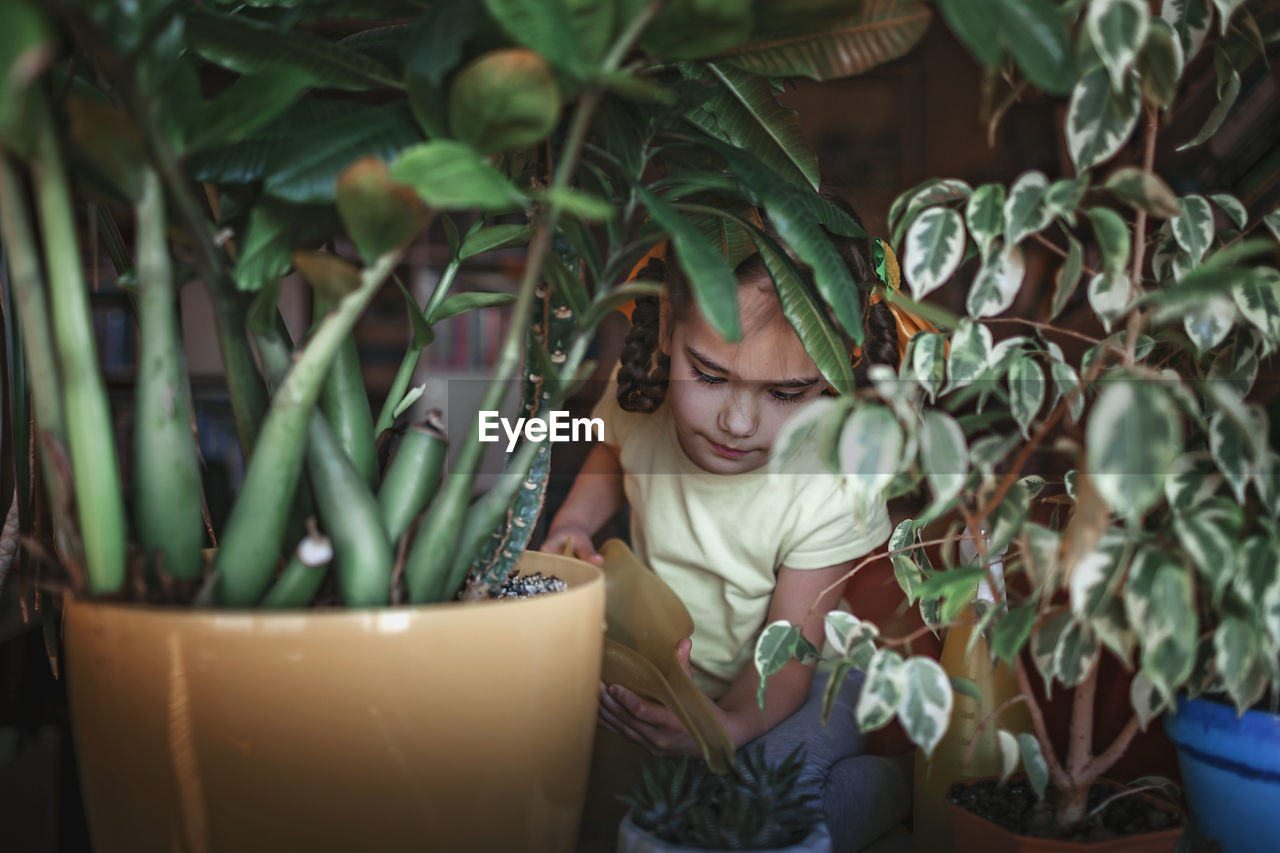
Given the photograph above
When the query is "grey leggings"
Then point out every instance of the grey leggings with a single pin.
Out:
(863, 796)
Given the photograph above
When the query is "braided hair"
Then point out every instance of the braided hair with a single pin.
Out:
(644, 370)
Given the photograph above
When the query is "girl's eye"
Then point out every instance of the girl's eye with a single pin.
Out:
(788, 396)
(705, 378)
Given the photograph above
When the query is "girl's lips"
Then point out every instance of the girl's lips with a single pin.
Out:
(726, 452)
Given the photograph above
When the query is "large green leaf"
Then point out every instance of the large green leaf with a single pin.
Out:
(1025, 212)
(984, 214)
(715, 289)
(449, 174)
(882, 690)
(26, 45)
(1190, 20)
(1193, 226)
(544, 26)
(748, 112)
(1036, 35)
(251, 103)
(879, 31)
(929, 361)
(977, 24)
(1133, 435)
(692, 29)
(925, 709)
(273, 230)
(1160, 63)
(805, 314)
(250, 47)
(996, 285)
(1100, 121)
(969, 355)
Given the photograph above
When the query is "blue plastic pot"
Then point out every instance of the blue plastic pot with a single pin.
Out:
(1231, 772)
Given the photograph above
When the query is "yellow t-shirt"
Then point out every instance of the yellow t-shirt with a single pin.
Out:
(718, 540)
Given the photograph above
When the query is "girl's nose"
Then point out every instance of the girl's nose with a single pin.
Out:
(737, 415)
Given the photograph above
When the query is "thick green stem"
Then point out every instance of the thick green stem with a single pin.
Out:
(166, 468)
(255, 529)
(345, 404)
(90, 438)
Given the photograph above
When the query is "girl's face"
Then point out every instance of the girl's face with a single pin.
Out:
(729, 400)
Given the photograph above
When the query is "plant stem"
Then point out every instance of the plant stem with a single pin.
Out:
(1136, 318)
(1045, 327)
(1108, 757)
(1056, 772)
(1081, 726)
(90, 438)
(1061, 252)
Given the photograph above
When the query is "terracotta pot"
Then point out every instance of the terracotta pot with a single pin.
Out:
(445, 727)
(973, 834)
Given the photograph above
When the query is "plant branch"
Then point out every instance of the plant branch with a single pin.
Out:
(1137, 318)
(986, 721)
(1107, 759)
(1061, 252)
(1056, 772)
(1081, 725)
(1045, 327)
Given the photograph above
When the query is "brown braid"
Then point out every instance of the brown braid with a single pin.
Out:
(642, 383)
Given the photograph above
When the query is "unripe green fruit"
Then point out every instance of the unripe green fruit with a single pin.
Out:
(503, 99)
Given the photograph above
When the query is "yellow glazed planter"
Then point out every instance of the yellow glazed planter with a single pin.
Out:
(446, 727)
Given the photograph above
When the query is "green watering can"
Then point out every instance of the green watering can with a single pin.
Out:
(645, 623)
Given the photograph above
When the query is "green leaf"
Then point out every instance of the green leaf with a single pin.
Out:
(544, 26)
(250, 103)
(1228, 91)
(1143, 191)
(1012, 631)
(1258, 298)
(1236, 648)
(774, 650)
(882, 691)
(1109, 296)
(871, 448)
(844, 631)
(929, 361)
(715, 289)
(1037, 37)
(493, 238)
(984, 214)
(996, 285)
(1068, 276)
(1225, 9)
(305, 169)
(436, 39)
(908, 576)
(1133, 436)
(1076, 654)
(449, 174)
(1024, 211)
(1160, 63)
(1010, 753)
(1272, 221)
(944, 456)
(990, 450)
(690, 29)
(1209, 539)
(1112, 234)
(1063, 197)
(1033, 760)
(930, 193)
(273, 229)
(1026, 392)
(1100, 121)
(878, 31)
(1193, 226)
(503, 99)
(1190, 20)
(249, 47)
(925, 708)
(575, 203)
(1065, 383)
(935, 245)
(460, 303)
(1232, 207)
(1118, 28)
(970, 351)
(1230, 447)
(976, 23)
(1209, 322)
(752, 118)
(806, 315)
(26, 47)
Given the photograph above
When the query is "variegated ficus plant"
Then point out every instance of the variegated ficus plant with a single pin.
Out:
(236, 142)
(1125, 475)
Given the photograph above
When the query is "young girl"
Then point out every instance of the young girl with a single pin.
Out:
(688, 430)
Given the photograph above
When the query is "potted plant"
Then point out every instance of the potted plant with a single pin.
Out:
(236, 143)
(1125, 476)
(679, 804)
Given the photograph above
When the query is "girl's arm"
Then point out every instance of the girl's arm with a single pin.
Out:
(653, 726)
(595, 496)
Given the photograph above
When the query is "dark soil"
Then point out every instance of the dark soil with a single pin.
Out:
(1014, 807)
(525, 586)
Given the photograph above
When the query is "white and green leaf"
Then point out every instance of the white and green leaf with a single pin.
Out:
(1100, 121)
(943, 454)
(1232, 207)
(1025, 212)
(996, 284)
(935, 245)
(1118, 29)
(925, 708)
(1112, 234)
(970, 349)
(1143, 190)
(929, 362)
(1160, 63)
(871, 448)
(984, 214)
(1193, 226)
(1190, 20)
(1132, 438)
(1109, 296)
(882, 690)
(1026, 392)
(1062, 199)
(1065, 383)
(1033, 760)
(1209, 321)
(1258, 298)
(1067, 277)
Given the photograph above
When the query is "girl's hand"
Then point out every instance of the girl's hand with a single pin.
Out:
(649, 724)
(578, 538)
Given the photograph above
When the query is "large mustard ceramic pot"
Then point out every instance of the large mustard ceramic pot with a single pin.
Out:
(450, 727)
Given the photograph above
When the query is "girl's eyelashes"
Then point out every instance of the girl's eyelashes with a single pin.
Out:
(705, 378)
(788, 396)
